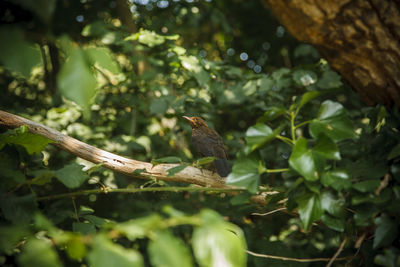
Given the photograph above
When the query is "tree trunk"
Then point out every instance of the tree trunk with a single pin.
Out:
(359, 38)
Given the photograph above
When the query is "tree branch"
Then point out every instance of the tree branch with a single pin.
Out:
(144, 170)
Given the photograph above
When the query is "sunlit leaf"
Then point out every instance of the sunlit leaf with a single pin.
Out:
(103, 57)
(17, 54)
(105, 253)
(258, 135)
(33, 143)
(38, 252)
(77, 68)
(304, 77)
(165, 250)
(76, 248)
(332, 121)
(139, 228)
(218, 243)
(71, 175)
(245, 172)
(333, 205)
(302, 160)
(310, 209)
(385, 232)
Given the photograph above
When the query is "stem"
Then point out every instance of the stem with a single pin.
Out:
(285, 139)
(141, 190)
(292, 127)
(302, 124)
(276, 170)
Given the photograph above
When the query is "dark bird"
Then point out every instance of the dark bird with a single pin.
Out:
(209, 144)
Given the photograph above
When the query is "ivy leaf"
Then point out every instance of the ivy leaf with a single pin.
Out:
(271, 114)
(385, 232)
(333, 121)
(326, 147)
(332, 205)
(165, 250)
(336, 224)
(245, 172)
(71, 175)
(302, 160)
(338, 179)
(174, 170)
(218, 243)
(258, 135)
(105, 253)
(307, 97)
(310, 209)
(367, 186)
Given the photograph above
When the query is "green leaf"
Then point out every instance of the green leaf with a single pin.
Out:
(302, 160)
(166, 160)
(77, 68)
(38, 252)
(105, 253)
(75, 247)
(391, 258)
(97, 221)
(16, 53)
(204, 161)
(83, 228)
(103, 57)
(193, 65)
(332, 121)
(18, 210)
(334, 206)
(385, 232)
(218, 243)
(158, 106)
(326, 147)
(139, 228)
(310, 209)
(44, 9)
(245, 172)
(174, 170)
(165, 250)
(271, 114)
(338, 179)
(10, 236)
(304, 77)
(307, 97)
(329, 80)
(395, 152)
(336, 224)
(150, 38)
(367, 186)
(71, 175)
(259, 135)
(364, 214)
(33, 143)
(240, 199)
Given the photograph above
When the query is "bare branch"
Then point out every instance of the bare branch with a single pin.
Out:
(144, 170)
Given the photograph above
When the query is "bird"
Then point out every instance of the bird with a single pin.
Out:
(209, 144)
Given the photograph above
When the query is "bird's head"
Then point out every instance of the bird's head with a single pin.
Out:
(195, 122)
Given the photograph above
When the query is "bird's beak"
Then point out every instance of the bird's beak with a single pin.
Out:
(188, 118)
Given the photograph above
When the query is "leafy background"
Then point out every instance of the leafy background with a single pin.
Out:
(120, 75)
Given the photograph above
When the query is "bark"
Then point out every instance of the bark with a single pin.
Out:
(120, 164)
(359, 38)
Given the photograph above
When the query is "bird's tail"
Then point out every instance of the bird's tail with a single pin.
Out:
(223, 167)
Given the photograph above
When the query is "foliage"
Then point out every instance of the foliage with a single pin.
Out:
(290, 124)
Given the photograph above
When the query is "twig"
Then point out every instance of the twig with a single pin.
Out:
(296, 259)
(268, 213)
(337, 252)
